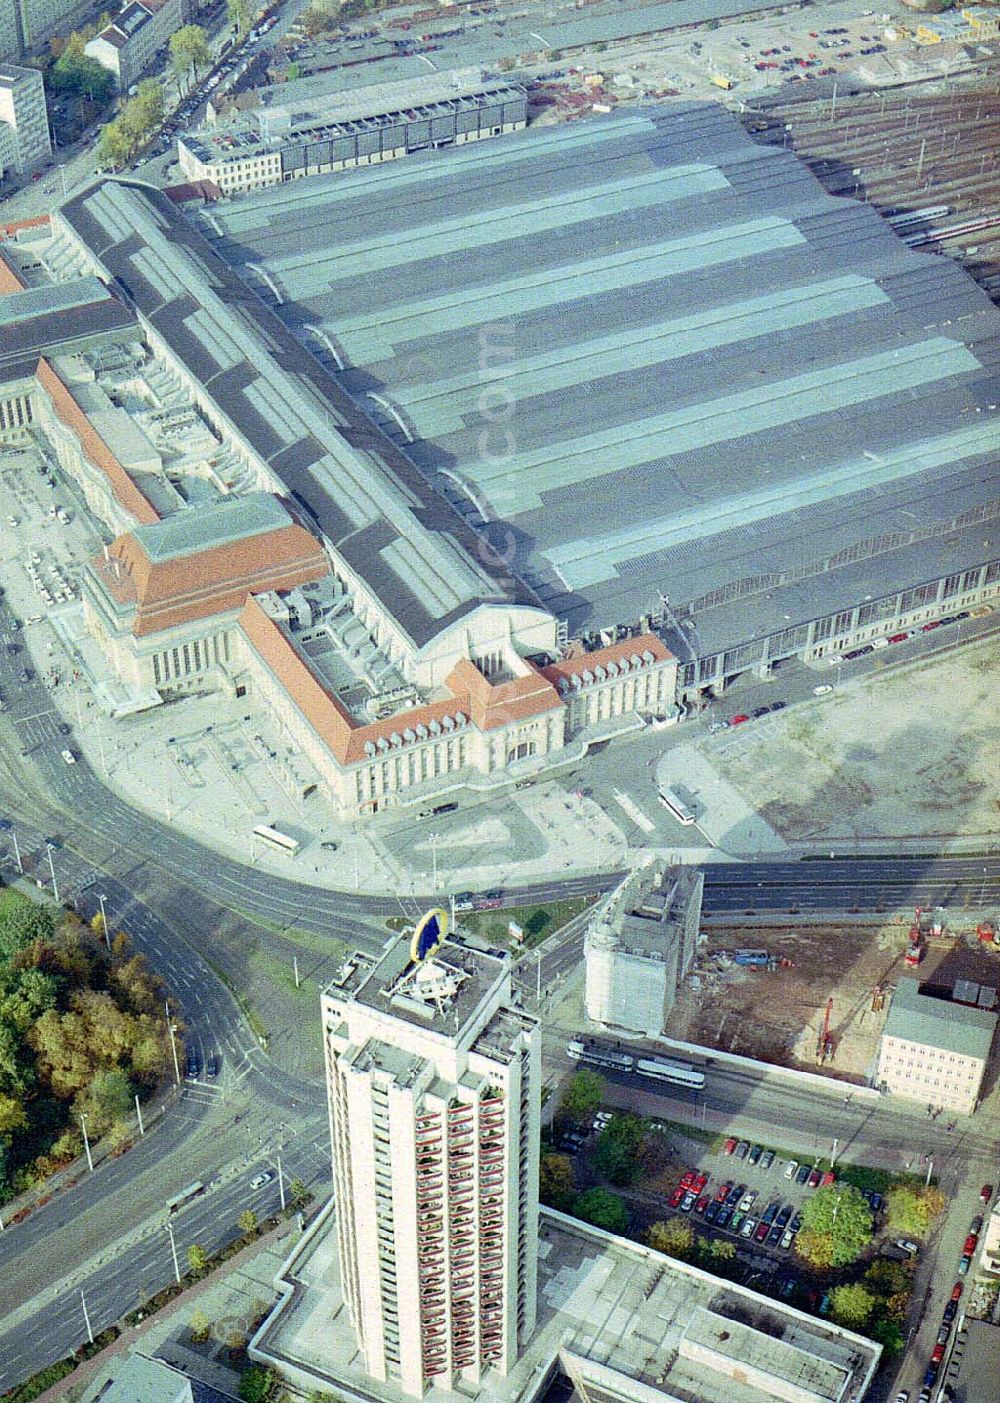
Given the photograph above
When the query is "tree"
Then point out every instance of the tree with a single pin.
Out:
(76, 72)
(114, 147)
(674, 1238)
(247, 1222)
(555, 1181)
(293, 71)
(197, 1257)
(912, 1210)
(889, 1335)
(189, 51)
(890, 1277)
(16, 1071)
(616, 1155)
(721, 1250)
(111, 1095)
(12, 1117)
(297, 1191)
(852, 1305)
(582, 1097)
(603, 1209)
(836, 1227)
(240, 13)
(23, 922)
(257, 1385)
(199, 1324)
(28, 994)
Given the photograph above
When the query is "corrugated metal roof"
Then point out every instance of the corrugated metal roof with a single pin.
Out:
(653, 313)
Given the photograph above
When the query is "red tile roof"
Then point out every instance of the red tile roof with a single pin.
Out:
(498, 704)
(645, 643)
(212, 581)
(97, 451)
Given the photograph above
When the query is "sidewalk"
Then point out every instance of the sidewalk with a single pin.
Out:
(153, 1332)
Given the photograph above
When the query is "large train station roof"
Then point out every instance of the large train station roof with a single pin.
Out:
(662, 355)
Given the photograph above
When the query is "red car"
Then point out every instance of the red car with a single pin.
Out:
(703, 1203)
(761, 1231)
(814, 1178)
(956, 1291)
(986, 1193)
(723, 1192)
(699, 1182)
(934, 623)
(970, 1244)
(738, 719)
(898, 637)
(677, 1195)
(687, 1182)
(938, 1354)
(828, 1178)
(730, 1145)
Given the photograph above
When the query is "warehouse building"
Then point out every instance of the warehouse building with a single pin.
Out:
(319, 134)
(790, 416)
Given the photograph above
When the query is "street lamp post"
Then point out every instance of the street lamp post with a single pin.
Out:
(173, 1043)
(281, 1182)
(86, 1316)
(138, 1111)
(173, 1252)
(86, 1141)
(982, 890)
(104, 920)
(17, 851)
(52, 870)
(930, 1171)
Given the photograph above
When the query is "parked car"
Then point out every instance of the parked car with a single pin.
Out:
(911, 1247)
(68, 756)
(937, 1354)
(688, 1201)
(755, 1153)
(784, 1216)
(212, 1066)
(943, 1333)
(950, 1311)
(748, 1200)
(739, 718)
(729, 1146)
(903, 1396)
(976, 1225)
(771, 1211)
(814, 1178)
(722, 1192)
(790, 1168)
(259, 1180)
(767, 1159)
(930, 1375)
(774, 1236)
(762, 1231)
(712, 1211)
(702, 1203)
(749, 1227)
(970, 1244)
(964, 1263)
(986, 1193)
(736, 1222)
(675, 1198)
(725, 1214)
(828, 1179)
(699, 1181)
(956, 1291)
(742, 1149)
(787, 1238)
(734, 1195)
(803, 1174)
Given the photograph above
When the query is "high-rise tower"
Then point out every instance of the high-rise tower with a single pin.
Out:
(433, 1080)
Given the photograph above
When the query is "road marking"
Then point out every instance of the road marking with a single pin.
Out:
(641, 820)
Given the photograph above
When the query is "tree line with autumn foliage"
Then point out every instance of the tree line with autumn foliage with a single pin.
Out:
(82, 1032)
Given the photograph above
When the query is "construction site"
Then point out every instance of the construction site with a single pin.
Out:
(814, 997)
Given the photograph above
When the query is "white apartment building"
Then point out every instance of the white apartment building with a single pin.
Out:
(434, 1083)
(128, 46)
(24, 122)
(935, 1049)
(25, 22)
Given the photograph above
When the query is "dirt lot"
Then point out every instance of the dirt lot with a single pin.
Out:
(776, 1015)
(911, 752)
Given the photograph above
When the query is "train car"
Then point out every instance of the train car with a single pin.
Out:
(598, 1056)
(681, 1073)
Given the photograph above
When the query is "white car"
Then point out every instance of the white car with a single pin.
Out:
(69, 757)
(822, 689)
(791, 1169)
(259, 1180)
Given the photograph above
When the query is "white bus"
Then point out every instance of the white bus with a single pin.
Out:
(276, 838)
(679, 809)
(185, 1196)
(664, 1070)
